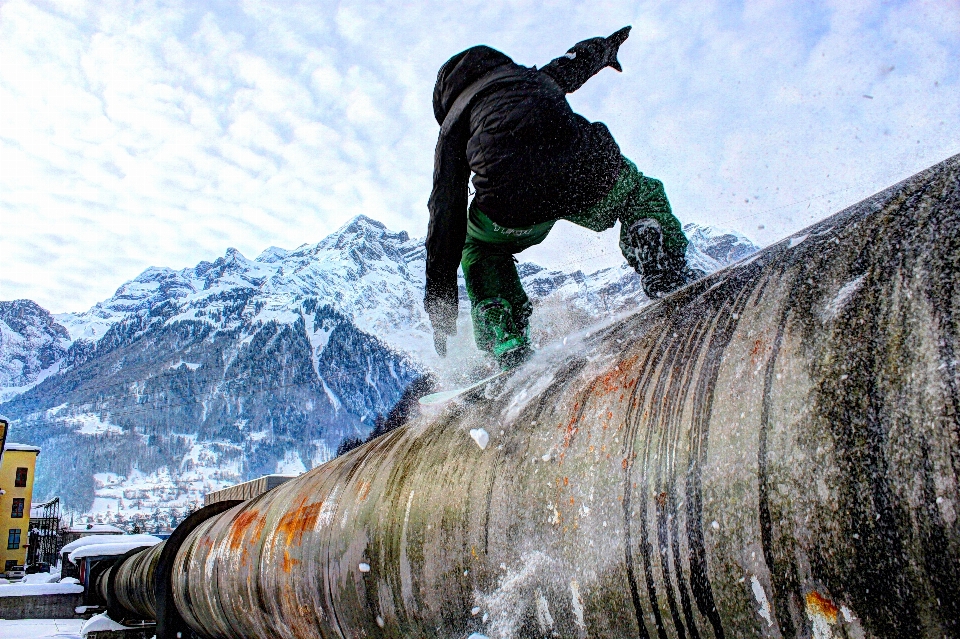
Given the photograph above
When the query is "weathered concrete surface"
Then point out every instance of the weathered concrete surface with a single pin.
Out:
(40, 606)
(772, 452)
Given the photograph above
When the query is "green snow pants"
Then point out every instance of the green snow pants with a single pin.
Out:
(489, 266)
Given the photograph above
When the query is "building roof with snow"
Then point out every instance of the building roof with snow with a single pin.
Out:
(105, 539)
(114, 549)
(246, 490)
(24, 447)
(96, 529)
(37, 508)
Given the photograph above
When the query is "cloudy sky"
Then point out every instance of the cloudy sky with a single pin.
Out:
(161, 133)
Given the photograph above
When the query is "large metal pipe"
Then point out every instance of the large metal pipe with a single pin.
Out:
(100, 585)
(126, 583)
(771, 452)
(136, 586)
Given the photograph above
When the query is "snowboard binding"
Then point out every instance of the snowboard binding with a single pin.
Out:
(501, 332)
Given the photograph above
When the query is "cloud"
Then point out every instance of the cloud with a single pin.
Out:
(148, 133)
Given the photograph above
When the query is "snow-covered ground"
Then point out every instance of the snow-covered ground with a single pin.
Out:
(27, 589)
(90, 424)
(39, 628)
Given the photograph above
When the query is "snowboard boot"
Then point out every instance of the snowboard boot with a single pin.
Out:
(497, 333)
(642, 245)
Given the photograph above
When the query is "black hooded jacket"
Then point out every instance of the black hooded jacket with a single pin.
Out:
(534, 159)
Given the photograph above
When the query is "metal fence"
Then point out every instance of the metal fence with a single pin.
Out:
(45, 537)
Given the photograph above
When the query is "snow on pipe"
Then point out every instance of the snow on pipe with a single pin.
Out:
(773, 451)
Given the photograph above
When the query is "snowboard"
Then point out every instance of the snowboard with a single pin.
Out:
(434, 399)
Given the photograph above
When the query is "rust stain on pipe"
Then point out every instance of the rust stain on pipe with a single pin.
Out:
(818, 605)
(294, 524)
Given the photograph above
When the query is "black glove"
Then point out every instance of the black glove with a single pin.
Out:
(585, 59)
(440, 343)
(443, 319)
(612, 43)
(674, 274)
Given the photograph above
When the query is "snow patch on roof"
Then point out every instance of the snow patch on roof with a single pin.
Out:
(114, 549)
(23, 447)
(96, 529)
(94, 540)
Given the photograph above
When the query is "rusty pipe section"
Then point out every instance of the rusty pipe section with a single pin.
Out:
(127, 584)
(771, 452)
(100, 586)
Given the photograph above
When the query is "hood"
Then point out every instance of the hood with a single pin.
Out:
(461, 71)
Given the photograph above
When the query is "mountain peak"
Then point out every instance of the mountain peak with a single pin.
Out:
(21, 314)
(272, 255)
(31, 345)
(359, 222)
(363, 234)
(234, 254)
(723, 245)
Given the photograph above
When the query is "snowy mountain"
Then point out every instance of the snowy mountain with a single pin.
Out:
(32, 345)
(188, 380)
(363, 270)
(712, 248)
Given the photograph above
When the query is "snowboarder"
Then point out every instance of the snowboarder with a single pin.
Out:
(534, 162)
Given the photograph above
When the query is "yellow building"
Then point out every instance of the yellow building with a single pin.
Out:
(17, 470)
